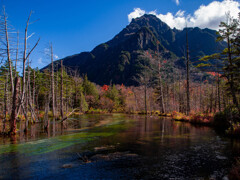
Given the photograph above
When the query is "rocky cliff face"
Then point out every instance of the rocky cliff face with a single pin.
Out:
(118, 60)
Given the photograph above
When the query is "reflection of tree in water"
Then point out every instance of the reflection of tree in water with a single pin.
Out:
(33, 131)
(54, 127)
(14, 160)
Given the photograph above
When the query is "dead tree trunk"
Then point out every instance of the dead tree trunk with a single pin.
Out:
(219, 94)
(46, 119)
(161, 100)
(61, 95)
(200, 95)
(14, 106)
(145, 97)
(188, 93)
(56, 93)
(67, 100)
(33, 93)
(5, 102)
(8, 50)
(16, 55)
(29, 88)
(52, 86)
(25, 57)
(27, 99)
(179, 93)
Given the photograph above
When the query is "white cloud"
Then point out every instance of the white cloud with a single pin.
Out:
(206, 16)
(56, 56)
(136, 13)
(177, 2)
(40, 61)
(47, 51)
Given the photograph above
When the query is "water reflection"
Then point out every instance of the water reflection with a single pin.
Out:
(38, 131)
(155, 140)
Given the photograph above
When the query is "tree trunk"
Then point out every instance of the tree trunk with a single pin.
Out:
(67, 102)
(188, 93)
(61, 95)
(145, 97)
(46, 119)
(27, 98)
(219, 95)
(52, 87)
(179, 93)
(33, 93)
(8, 51)
(161, 100)
(200, 96)
(16, 55)
(14, 106)
(5, 102)
(25, 57)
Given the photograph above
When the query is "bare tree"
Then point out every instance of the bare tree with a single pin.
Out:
(144, 78)
(16, 54)
(187, 57)
(52, 84)
(14, 106)
(61, 95)
(8, 49)
(5, 100)
(25, 57)
(160, 88)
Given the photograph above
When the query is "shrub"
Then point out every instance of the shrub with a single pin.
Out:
(201, 119)
(106, 103)
(234, 130)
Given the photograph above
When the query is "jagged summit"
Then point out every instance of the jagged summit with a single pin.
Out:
(147, 20)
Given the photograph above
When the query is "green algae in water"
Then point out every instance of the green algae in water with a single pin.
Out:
(60, 142)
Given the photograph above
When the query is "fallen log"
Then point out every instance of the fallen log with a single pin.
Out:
(68, 115)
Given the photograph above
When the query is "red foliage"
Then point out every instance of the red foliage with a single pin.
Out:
(165, 61)
(130, 92)
(122, 87)
(105, 87)
(201, 118)
(214, 74)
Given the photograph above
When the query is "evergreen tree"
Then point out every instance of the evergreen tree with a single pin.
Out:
(229, 57)
(83, 103)
(89, 88)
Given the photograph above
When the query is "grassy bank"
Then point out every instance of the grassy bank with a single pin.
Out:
(227, 121)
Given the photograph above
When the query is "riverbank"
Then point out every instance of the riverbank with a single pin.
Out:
(199, 118)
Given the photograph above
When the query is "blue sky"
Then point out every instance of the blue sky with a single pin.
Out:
(74, 26)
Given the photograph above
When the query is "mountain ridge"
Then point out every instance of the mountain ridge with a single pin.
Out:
(115, 61)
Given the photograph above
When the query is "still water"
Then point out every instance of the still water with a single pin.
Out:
(117, 146)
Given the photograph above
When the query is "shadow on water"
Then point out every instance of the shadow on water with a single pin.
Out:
(162, 148)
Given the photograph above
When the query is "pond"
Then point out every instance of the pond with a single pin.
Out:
(117, 146)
